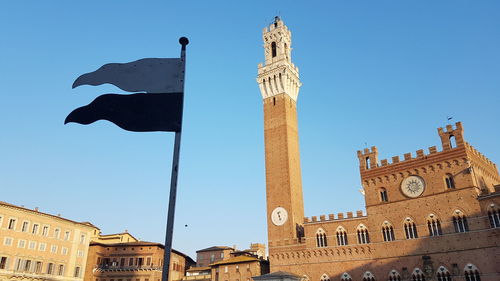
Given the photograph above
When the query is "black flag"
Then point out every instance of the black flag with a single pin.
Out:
(135, 112)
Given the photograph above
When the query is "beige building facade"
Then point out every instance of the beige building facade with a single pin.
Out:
(429, 216)
(121, 257)
(40, 246)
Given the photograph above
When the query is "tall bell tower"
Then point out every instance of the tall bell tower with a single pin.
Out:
(279, 85)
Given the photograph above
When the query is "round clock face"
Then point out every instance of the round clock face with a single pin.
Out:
(279, 216)
(413, 186)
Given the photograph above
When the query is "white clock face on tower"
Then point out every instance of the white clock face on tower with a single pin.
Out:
(279, 216)
(413, 186)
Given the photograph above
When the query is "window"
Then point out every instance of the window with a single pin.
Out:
(25, 226)
(66, 235)
(42, 246)
(148, 261)
(410, 229)
(273, 49)
(494, 217)
(64, 250)
(53, 249)
(27, 265)
(383, 195)
(21, 243)
(60, 272)
(122, 262)
(368, 276)
(443, 274)
(3, 262)
(225, 269)
(38, 267)
(12, 224)
(50, 268)
(363, 237)
(388, 232)
(77, 272)
(212, 257)
(82, 239)
(57, 233)
(131, 262)
(45, 230)
(341, 236)
(32, 245)
(321, 240)
(434, 226)
(325, 277)
(394, 276)
(417, 275)
(450, 183)
(346, 277)
(471, 273)
(34, 230)
(460, 222)
(7, 241)
(237, 268)
(222, 255)
(453, 141)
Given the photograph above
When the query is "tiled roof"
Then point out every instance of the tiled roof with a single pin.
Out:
(238, 259)
(215, 248)
(88, 224)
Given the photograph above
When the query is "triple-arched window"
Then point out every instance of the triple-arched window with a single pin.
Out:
(321, 240)
(388, 231)
(368, 276)
(394, 275)
(434, 225)
(363, 236)
(460, 222)
(471, 273)
(341, 236)
(410, 229)
(325, 277)
(443, 274)
(345, 277)
(494, 216)
(417, 275)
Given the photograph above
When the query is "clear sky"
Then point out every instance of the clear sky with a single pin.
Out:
(384, 73)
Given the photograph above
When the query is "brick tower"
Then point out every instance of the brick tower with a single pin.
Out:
(279, 84)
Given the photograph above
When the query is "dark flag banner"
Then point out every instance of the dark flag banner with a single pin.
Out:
(151, 75)
(135, 112)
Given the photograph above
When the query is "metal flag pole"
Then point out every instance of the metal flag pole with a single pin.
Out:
(175, 170)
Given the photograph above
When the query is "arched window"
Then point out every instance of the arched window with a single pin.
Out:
(345, 277)
(368, 276)
(453, 142)
(273, 49)
(443, 274)
(388, 231)
(394, 275)
(410, 229)
(363, 237)
(450, 183)
(367, 162)
(325, 277)
(321, 238)
(460, 222)
(417, 275)
(383, 195)
(471, 273)
(494, 216)
(341, 236)
(434, 225)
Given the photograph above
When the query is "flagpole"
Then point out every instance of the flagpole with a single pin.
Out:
(173, 179)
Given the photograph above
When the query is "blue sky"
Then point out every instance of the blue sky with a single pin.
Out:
(384, 73)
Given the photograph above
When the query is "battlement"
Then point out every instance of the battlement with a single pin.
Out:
(331, 217)
(278, 23)
(474, 151)
(450, 138)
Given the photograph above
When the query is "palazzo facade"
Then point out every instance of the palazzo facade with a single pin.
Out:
(433, 215)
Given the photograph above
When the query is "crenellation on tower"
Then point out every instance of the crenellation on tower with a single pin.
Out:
(368, 158)
(451, 138)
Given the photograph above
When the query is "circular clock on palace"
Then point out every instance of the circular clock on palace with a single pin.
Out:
(413, 186)
(279, 216)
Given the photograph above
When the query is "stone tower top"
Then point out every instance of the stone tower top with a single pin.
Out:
(279, 75)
